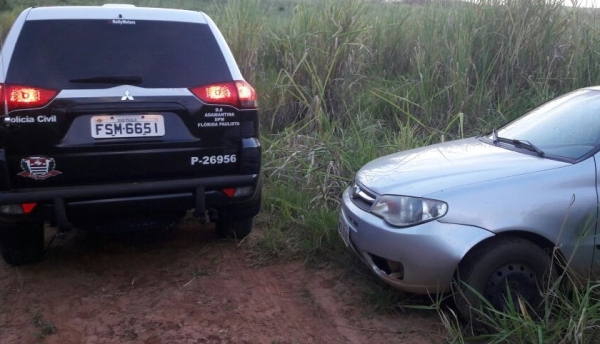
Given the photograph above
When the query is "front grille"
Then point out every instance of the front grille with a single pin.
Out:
(361, 197)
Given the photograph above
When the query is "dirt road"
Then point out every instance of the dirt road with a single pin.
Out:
(189, 287)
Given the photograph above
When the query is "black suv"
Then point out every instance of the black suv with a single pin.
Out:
(118, 118)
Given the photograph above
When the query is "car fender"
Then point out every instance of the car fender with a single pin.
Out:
(543, 203)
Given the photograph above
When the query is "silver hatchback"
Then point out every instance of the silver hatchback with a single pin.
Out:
(490, 211)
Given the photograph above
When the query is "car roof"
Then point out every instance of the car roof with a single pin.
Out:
(115, 12)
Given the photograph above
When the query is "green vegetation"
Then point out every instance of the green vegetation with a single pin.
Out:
(342, 82)
(569, 317)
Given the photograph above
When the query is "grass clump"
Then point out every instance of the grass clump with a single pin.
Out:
(571, 315)
(45, 328)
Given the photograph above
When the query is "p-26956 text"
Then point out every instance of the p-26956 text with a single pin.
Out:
(213, 159)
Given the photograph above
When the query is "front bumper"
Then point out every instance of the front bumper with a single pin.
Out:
(420, 259)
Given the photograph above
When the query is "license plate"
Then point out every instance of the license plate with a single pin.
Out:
(344, 230)
(127, 126)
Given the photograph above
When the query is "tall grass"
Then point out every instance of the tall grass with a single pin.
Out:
(344, 82)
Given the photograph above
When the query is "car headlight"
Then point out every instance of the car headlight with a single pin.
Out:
(403, 211)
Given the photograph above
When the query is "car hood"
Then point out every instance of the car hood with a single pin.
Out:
(422, 171)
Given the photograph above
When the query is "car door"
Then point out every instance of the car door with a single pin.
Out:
(592, 242)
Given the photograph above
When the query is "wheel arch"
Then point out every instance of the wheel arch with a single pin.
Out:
(536, 239)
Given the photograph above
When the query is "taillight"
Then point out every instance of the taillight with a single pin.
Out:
(236, 93)
(240, 191)
(25, 97)
(28, 207)
(17, 209)
(230, 192)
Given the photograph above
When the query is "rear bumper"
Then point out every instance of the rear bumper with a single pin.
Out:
(63, 204)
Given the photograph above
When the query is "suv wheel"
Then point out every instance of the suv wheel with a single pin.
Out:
(22, 243)
(234, 228)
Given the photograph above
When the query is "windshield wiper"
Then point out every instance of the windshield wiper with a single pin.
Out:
(517, 143)
(131, 80)
(528, 145)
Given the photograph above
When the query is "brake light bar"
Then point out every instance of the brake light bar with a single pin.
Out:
(236, 93)
(25, 97)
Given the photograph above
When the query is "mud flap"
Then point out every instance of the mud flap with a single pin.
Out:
(200, 202)
(60, 212)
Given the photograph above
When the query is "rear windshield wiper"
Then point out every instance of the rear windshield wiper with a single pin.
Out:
(517, 143)
(132, 80)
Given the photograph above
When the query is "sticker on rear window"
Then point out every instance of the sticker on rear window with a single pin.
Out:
(123, 22)
(38, 167)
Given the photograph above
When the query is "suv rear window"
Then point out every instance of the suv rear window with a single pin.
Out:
(55, 53)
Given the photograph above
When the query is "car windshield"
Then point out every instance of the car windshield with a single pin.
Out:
(565, 127)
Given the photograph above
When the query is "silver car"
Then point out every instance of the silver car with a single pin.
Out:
(489, 211)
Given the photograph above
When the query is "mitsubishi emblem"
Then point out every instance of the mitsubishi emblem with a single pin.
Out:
(127, 96)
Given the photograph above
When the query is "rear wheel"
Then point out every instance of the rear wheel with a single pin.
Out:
(22, 243)
(498, 271)
(234, 228)
(236, 221)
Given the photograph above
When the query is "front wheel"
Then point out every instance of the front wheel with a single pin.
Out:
(234, 228)
(502, 270)
(22, 243)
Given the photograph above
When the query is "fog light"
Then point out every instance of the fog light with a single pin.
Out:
(243, 191)
(12, 209)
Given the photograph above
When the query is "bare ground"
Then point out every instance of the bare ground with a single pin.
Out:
(190, 287)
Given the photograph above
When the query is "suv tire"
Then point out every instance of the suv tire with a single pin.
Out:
(234, 228)
(22, 243)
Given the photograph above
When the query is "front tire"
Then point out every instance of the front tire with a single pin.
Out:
(489, 269)
(22, 243)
